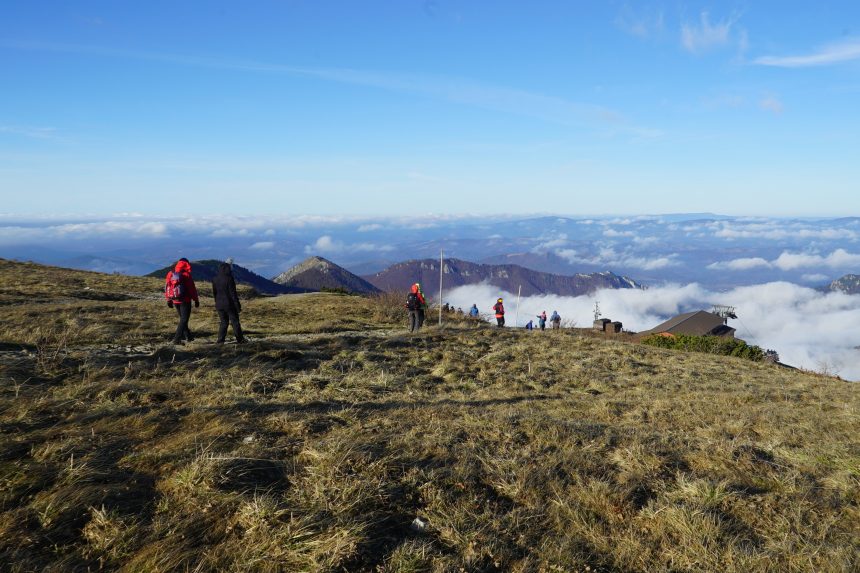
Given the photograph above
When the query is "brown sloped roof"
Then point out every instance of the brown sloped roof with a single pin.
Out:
(698, 323)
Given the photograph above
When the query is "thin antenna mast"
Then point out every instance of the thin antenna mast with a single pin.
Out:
(517, 318)
(441, 268)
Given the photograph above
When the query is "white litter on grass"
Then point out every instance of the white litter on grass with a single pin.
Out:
(249, 439)
(419, 524)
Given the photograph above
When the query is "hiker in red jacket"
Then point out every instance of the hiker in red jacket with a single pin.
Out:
(180, 291)
(416, 304)
(499, 309)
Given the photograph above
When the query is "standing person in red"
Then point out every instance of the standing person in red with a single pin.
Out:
(180, 290)
(499, 309)
(416, 304)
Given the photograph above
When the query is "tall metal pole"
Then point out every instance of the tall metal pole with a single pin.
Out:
(441, 265)
(517, 319)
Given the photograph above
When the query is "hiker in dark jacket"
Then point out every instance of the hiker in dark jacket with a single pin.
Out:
(227, 303)
(180, 291)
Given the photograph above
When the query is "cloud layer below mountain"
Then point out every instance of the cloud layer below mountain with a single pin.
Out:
(809, 329)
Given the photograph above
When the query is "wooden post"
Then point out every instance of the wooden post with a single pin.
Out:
(441, 266)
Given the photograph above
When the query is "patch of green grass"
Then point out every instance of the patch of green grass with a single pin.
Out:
(722, 345)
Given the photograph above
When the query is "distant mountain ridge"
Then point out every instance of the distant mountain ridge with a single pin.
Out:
(849, 284)
(317, 273)
(206, 270)
(508, 277)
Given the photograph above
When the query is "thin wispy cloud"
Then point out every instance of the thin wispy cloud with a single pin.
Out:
(771, 104)
(705, 35)
(826, 56)
(642, 24)
(516, 101)
(31, 132)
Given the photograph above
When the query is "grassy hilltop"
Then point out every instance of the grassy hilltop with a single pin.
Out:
(316, 446)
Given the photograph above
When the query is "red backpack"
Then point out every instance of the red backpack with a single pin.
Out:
(174, 290)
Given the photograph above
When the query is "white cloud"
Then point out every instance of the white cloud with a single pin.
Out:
(825, 56)
(31, 132)
(644, 24)
(15, 230)
(551, 242)
(809, 329)
(222, 233)
(613, 233)
(815, 278)
(732, 101)
(840, 258)
(111, 228)
(771, 104)
(651, 264)
(697, 38)
(369, 227)
(609, 257)
(778, 231)
(21, 234)
(743, 264)
(327, 245)
(787, 261)
(263, 246)
(645, 241)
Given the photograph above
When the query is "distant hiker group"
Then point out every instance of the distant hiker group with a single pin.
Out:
(180, 291)
(416, 305)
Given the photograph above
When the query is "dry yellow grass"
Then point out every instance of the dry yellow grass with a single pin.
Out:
(315, 447)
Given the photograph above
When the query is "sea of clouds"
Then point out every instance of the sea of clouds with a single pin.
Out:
(809, 329)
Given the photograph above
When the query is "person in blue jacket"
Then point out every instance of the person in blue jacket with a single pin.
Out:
(473, 312)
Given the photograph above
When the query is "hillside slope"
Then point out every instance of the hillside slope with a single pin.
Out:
(335, 441)
(316, 273)
(400, 276)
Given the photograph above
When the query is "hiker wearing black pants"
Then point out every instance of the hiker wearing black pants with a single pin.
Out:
(499, 309)
(183, 309)
(180, 291)
(415, 305)
(227, 303)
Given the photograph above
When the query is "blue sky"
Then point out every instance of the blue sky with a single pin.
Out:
(402, 107)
